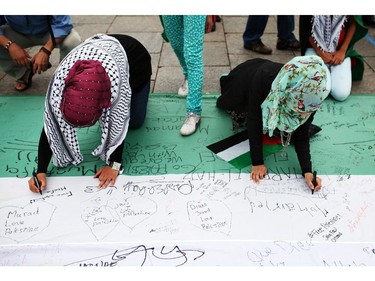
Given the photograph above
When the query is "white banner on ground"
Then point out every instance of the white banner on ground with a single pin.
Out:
(207, 219)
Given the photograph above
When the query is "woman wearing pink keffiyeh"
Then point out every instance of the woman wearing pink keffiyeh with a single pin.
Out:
(106, 79)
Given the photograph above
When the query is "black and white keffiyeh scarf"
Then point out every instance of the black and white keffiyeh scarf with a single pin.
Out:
(326, 31)
(114, 120)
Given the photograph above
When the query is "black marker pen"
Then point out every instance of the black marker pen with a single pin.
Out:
(314, 181)
(36, 182)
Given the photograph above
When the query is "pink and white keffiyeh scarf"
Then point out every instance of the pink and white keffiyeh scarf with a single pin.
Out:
(114, 121)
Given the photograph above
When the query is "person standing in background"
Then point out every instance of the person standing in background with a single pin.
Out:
(185, 34)
(255, 27)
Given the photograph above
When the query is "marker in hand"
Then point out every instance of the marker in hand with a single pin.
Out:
(314, 181)
(36, 182)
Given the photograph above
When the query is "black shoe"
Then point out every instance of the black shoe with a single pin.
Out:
(288, 45)
(259, 48)
(214, 25)
(369, 20)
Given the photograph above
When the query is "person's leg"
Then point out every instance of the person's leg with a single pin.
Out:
(341, 80)
(6, 63)
(69, 43)
(255, 27)
(285, 28)
(286, 38)
(369, 20)
(138, 107)
(194, 28)
(174, 29)
(310, 52)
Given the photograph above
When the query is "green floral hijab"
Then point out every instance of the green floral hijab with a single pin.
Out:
(298, 90)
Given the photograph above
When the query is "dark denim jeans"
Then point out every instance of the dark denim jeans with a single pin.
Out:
(256, 25)
(138, 107)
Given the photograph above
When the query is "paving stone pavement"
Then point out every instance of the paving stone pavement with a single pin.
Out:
(223, 50)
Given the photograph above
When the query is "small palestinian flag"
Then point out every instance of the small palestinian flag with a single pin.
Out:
(236, 149)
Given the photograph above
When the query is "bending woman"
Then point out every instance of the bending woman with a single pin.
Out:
(105, 79)
(277, 98)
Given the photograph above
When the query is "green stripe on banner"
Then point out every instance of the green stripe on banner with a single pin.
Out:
(243, 160)
(157, 148)
(345, 145)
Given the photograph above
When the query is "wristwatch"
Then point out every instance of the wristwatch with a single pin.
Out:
(116, 166)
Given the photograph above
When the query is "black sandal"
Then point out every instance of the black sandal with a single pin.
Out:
(27, 83)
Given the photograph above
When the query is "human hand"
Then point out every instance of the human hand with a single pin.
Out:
(258, 172)
(42, 178)
(19, 55)
(338, 57)
(309, 178)
(326, 57)
(40, 62)
(106, 176)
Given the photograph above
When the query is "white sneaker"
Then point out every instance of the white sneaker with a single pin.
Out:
(190, 125)
(183, 90)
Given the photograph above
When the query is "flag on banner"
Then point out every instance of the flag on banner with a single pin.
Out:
(236, 149)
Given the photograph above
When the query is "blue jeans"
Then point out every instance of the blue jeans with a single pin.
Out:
(138, 107)
(256, 25)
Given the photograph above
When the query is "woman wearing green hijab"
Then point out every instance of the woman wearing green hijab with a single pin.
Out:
(277, 99)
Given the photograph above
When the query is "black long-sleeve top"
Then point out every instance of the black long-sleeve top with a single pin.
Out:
(140, 71)
(244, 90)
